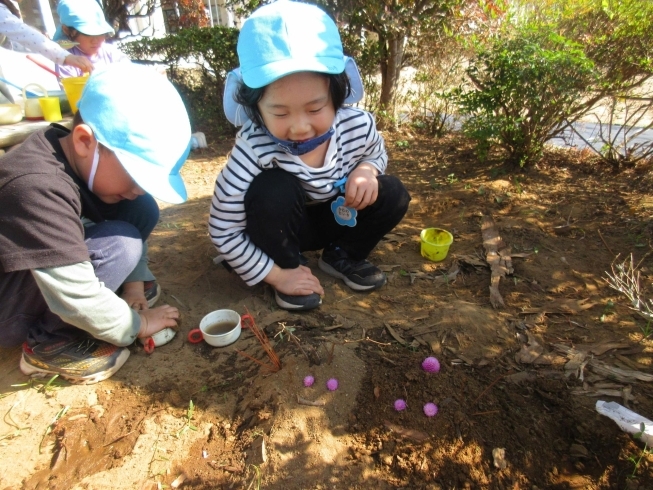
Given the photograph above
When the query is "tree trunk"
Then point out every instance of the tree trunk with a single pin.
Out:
(390, 70)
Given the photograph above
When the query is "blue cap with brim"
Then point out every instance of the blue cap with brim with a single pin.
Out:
(283, 38)
(138, 114)
(85, 16)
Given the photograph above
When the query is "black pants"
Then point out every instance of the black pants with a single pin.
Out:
(280, 222)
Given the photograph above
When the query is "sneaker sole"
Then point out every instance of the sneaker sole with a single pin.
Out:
(355, 286)
(294, 307)
(152, 301)
(35, 372)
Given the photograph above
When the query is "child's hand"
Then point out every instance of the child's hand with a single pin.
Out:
(81, 62)
(134, 295)
(296, 282)
(156, 319)
(362, 188)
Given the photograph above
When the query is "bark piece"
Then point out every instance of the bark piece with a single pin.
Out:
(497, 255)
(603, 369)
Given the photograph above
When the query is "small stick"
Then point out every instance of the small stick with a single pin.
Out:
(344, 299)
(424, 333)
(485, 390)
(330, 355)
(303, 401)
(178, 301)
(603, 240)
(486, 413)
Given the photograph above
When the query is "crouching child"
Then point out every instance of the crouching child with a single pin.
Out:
(76, 209)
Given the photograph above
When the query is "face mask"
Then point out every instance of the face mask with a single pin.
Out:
(295, 148)
(96, 159)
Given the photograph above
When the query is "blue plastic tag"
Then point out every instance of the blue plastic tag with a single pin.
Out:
(345, 216)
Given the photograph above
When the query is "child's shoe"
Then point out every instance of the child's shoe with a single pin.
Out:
(360, 275)
(297, 303)
(152, 292)
(81, 361)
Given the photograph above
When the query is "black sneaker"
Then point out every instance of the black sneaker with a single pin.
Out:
(297, 303)
(359, 275)
(83, 361)
(152, 292)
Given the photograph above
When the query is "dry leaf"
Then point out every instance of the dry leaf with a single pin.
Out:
(530, 352)
(377, 392)
(395, 335)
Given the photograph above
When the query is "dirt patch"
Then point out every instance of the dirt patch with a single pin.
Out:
(205, 418)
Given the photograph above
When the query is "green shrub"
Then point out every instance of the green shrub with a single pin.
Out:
(524, 87)
(213, 49)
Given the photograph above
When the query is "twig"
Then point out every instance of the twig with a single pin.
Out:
(344, 299)
(330, 354)
(178, 301)
(303, 401)
(604, 243)
(424, 333)
(645, 256)
(292, 337)
(486, 413)
(625, 279)
(486, 389)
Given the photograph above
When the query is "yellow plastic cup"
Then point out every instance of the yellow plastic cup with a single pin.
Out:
(50, 108)
(435, 243)
(74, 87)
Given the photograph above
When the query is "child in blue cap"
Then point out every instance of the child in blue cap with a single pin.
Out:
(83, 22)
(58, 277)
(306, 171)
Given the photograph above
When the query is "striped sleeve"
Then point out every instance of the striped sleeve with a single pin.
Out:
(360, 142)
(227, 218)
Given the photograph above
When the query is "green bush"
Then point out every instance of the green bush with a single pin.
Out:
(213, 49)
(524, 88)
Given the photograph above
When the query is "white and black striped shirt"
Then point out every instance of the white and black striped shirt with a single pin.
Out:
(355, 141)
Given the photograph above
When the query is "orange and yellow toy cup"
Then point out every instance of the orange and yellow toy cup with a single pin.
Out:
(74, 86)
(51, 108)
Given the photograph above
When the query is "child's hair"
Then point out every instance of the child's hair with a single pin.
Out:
(339, 88)
(70, 32)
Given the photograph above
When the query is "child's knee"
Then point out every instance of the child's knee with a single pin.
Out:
(391, 189)
(274, 191)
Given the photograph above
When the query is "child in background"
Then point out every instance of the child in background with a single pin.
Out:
(83, 22)
(58, 278)
(279, 193)
(13, 27)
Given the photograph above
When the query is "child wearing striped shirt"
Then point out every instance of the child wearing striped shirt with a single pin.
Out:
(306, 171)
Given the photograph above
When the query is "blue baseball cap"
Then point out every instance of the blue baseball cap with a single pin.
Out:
(85, 16)
(282, 38)
(138, 114)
